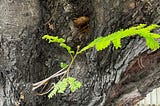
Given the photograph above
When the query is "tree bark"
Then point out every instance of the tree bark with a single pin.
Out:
(110, 77)
(19, 21)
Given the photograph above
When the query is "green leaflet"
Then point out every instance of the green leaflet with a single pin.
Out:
(155, 35)
(53, 92)
(151, 43)
(67, 47)
(61, 86)
(53, 39)
(63, 65)
(74, 85)
(151, 27)
(117, 43)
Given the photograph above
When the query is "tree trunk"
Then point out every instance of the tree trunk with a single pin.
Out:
(19, 22)
(110, 77)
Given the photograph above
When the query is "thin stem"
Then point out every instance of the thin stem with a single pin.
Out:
(69, 67)
(71, 63)
(35, 84)
(40, 83)
(48, 90)
(47, 79)
(71, 55)
(73, 59)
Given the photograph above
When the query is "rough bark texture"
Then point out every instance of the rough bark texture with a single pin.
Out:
(110, 77)
(19, 21)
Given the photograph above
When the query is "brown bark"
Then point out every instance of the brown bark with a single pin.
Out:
(110, 77)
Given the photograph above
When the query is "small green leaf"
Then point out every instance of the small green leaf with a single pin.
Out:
(62, 86)
(78, 84)
(53, 39)
(102, 45)
(155, 35)
(140, 26)
(117, 43)
(90, 45)
(151, 27)
(63, 65)
(152, 43)
(74, 84)
(70, 79)
(67, 47)
(53, 92)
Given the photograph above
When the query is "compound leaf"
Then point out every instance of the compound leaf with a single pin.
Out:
(61, 86)
(143, 30)
(55, 39)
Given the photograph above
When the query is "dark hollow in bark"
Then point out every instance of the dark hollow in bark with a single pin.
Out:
(110, 77)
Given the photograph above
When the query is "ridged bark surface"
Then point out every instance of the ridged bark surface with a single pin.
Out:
(110, 77)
